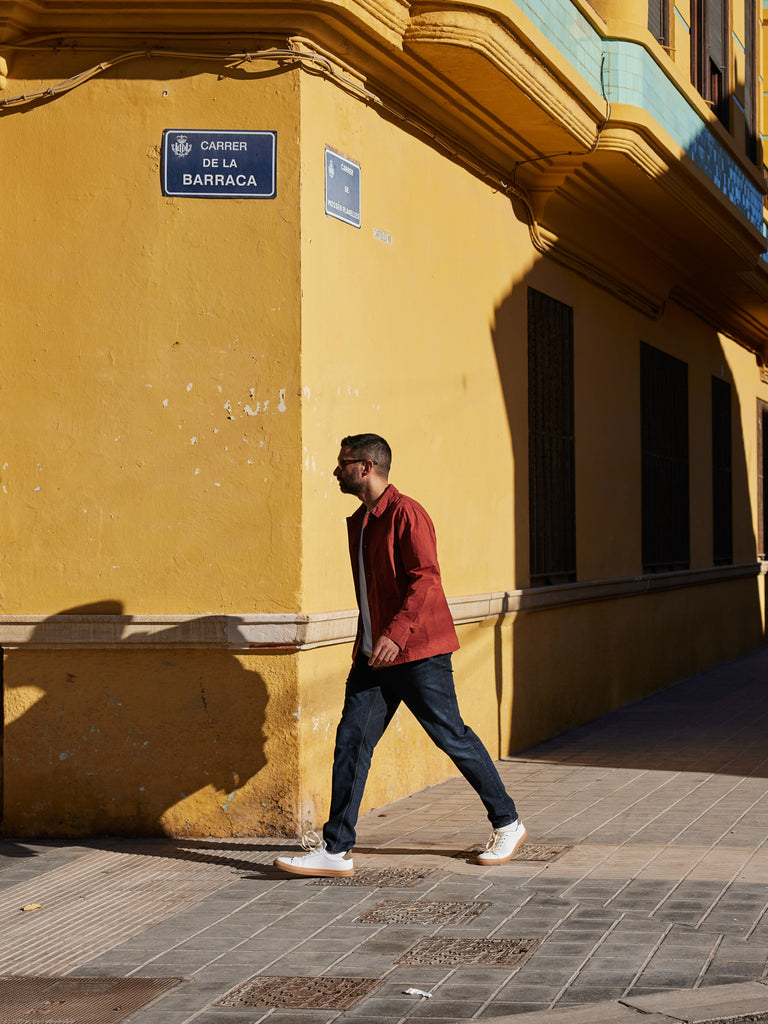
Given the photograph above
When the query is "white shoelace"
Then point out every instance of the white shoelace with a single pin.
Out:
(311, 842)
(497, 838)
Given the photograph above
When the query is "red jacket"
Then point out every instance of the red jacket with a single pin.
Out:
(405, 594)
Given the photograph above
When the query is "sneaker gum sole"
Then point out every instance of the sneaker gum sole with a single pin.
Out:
(493, 861)
(294, 869)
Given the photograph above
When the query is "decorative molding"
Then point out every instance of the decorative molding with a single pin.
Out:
(436, 36)
(290, 632)
(20, 19)
(591, 591)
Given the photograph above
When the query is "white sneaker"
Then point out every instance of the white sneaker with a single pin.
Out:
(318, 862)
(503, 843)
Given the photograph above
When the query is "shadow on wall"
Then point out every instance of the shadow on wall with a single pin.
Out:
(142, 742)
(711, 723)
(570, 665)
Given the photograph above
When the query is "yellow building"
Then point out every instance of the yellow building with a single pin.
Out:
(523, 241)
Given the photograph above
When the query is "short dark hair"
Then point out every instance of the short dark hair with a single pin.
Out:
(370, 446)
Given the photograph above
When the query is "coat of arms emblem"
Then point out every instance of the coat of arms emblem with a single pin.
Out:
(181, 146)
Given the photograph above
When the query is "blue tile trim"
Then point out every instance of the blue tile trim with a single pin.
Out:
(631, 76)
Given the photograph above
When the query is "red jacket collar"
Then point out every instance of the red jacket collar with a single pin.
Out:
(387, 496)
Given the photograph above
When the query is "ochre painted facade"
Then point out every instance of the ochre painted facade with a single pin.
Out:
(175, 595)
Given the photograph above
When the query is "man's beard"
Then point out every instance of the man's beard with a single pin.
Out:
(347, 488)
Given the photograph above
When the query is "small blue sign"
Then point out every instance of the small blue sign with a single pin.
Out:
(342, 188)
(220, 165)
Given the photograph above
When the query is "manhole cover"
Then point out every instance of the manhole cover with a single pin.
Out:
(300, 993)
(469, 951)
(420, 912)
(541, 851)
(378, 878)
(527, 852)
(77, 1000)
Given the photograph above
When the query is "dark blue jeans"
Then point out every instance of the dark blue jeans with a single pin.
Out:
(372, 697)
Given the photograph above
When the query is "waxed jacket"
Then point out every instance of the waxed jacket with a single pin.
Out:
(405, 592)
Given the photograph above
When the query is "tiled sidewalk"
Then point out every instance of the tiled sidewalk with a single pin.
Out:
(656, 899)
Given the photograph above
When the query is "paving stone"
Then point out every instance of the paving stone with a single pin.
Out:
(671, 973)
(443, 1009)
(745, 952)
(230, 1016)
(725, 973)
(591, 991)
(516, 1011)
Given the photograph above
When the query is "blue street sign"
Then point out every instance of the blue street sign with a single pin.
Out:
(342, 188)
(220, 165)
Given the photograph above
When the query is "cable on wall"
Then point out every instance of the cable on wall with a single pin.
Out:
(308, 60)
(312, 61)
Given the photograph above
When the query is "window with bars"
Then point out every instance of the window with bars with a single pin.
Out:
(551, 443)
(658, 20)
(762, 476)
(709, 54)
(750, 81)
(664, 440)
(722, 490)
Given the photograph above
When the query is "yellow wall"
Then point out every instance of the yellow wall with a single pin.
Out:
(429, 339)
(175, 742)
(399, 339)
(150, 405)
(137, 329)
(572, 665)
(135, 480)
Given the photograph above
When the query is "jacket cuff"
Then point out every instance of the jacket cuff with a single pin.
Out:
(398, 635)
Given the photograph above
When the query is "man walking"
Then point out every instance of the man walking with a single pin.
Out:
(402, 654)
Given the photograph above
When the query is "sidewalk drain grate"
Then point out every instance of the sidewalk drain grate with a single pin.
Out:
(81, 1000)
(378, 878)
(300, 993)
(452, 951)
(541, 851)
(420, 912)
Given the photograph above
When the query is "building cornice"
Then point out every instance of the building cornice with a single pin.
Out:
(489, 85)
(290, 632)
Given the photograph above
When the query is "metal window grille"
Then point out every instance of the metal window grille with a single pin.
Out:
(664, 439)
(722, 488)
(762, 476)
(750, 82)
(658, 20)
(709, 54)
(551, 444)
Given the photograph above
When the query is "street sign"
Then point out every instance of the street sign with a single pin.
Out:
(342, 188)
(219, 164)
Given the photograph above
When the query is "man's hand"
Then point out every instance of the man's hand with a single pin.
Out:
(384, 653)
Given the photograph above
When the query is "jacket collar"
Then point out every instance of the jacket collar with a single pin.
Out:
(387, 496)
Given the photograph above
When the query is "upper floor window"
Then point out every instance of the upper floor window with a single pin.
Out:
(709, 54)
(658, 20)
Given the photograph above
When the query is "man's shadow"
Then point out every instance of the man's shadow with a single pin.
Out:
(138, 742)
